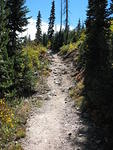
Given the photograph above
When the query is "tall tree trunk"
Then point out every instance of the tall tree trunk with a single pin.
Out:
(61, 18)
(66, 20)
(67, 14)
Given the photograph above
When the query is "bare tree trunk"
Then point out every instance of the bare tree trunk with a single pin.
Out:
(61, 17)
(66, 20)
(66, 27)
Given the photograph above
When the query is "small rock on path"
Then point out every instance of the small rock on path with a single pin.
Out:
(56, 125)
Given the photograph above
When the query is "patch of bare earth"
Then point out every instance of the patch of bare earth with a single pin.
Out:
(56, 125)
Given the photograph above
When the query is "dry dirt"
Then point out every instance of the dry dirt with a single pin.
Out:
(57, 124)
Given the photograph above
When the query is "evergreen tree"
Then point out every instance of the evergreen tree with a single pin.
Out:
(97, 82)
(97, 34)
(24, 76)
(16, 21)
(78, 28)
(56, 42)
(72, 36)
(51, 22)
(38, 27)
(111, 7)
(44, 39)
(6, 73)
(83, 27)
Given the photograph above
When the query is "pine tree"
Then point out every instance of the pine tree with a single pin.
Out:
(6, 73)
(83, 27)
(51, 22)
(111, 7)
(16, 21)
(97, 81)
(38, 27)
(97, 34)
(78, 28)
(25, 79)
(44, 39)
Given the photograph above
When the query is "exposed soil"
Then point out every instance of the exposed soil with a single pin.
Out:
(58, 125)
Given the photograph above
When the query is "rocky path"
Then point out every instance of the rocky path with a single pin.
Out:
(57, 124)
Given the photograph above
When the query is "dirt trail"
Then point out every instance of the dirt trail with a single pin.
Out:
(56, 124)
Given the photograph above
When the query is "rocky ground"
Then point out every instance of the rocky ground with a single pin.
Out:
(58, 124)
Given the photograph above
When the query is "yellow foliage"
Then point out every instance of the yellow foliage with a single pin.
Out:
(21, 133)
(111, 27)
(14, 146)
(34, 52)
(6, 114)
(72, 46)
(49, 45)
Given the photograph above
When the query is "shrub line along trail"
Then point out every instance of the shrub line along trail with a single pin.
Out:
(55, 125)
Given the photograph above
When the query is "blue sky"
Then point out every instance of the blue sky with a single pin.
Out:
(77, 10)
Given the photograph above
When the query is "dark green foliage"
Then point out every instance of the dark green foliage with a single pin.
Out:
(16, 21)
(98, 75)
(72, 36)
(112, 48)
(24, 77)
(61, 38)
(66, 35)
(83, 27)
(26, 40)
(51, 22)
(6, 73)
(57, 42)
(44, 39)
(82, 58)
(111, 7)
(38, 27)
(78, 29)
(97, 35)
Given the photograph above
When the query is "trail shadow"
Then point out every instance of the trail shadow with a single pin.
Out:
(88, 136)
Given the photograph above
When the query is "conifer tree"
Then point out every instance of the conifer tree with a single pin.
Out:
(6, 73)
(111, 7)
(38, 27)
(16, 21)
(78, 28)
(97, 69)
(97, 33)
(83, 27)
(44, 39)
(51, 22)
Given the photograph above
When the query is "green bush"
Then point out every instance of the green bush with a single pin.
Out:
(34, 52)
(73, 46)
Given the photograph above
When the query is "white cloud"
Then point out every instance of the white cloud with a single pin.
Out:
(31, 28)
